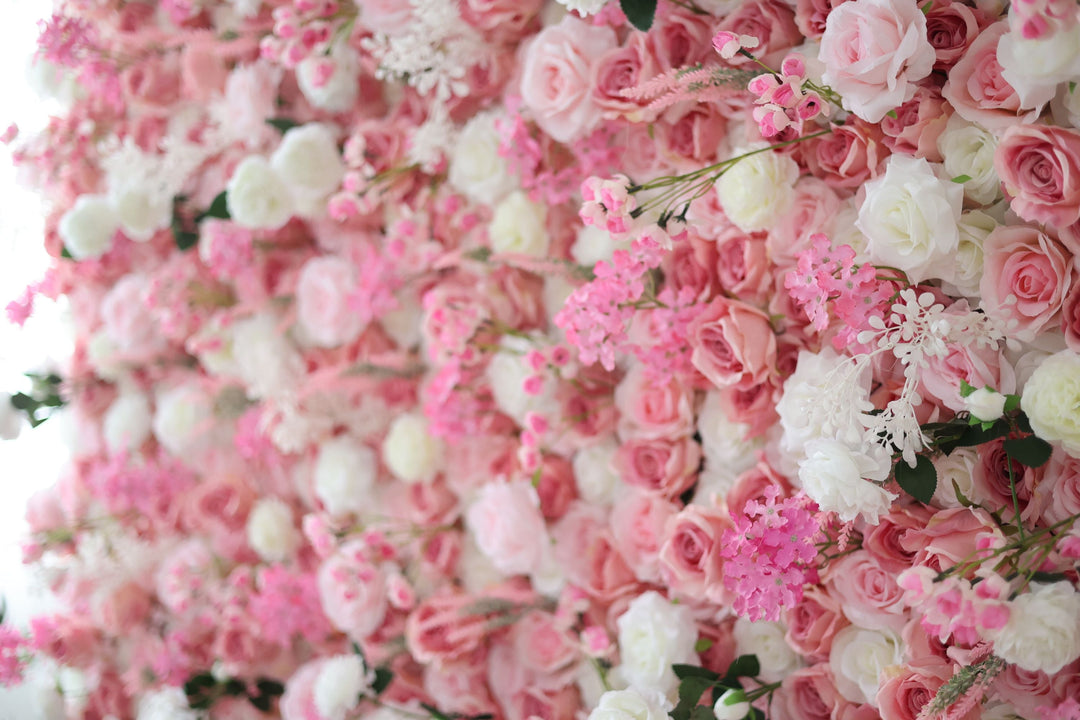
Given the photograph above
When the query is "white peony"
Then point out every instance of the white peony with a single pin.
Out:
(127, 422)
(339, 92)
(87, 229)
(765, 639)
(968, 150)
(1051, 398)
(857, 659)
(1036, 67)
(266, 359)
(339, 684)
(345, 474)
(627, 704)
(308, 161)
(410, 451)
(271, 532)
(184, 415)
(476, 168)
(594, 473)
(518, 226)
(257, 197)
(910, 216)
(1043, 631)
(755, 191)
(654, 634)
(839, 480)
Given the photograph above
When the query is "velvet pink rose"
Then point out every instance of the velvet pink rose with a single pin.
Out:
(734, 344)
(874, 51)
(557, 73)
(1039, 166)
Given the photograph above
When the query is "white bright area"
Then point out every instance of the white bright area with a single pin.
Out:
(35, 459)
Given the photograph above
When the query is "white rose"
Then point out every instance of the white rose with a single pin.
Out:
(271, 532)
(141, 214)
(506, 521)
(732, 705)
(338, 686)
(958, 466)
(627, 704)
(11, 420)
(910, 216)
(181, 420)
(594, 244)
(654, 634)
(857, 658)
(967, 263)
(756, 190)
(765, 639)
(723, 441)
(1051, 398)
(1036, 67)
(1043, 631)
(969, 150)
(308, 161)
(594, 473)
(168, 703)
(339, 92)
(127, 422)
(986, 405)
(411, 452)
(87, 229)
(267, 361)
(476, 168)
(838, 479)
(257, 197)
(103, 355)
(345, 473)
(518, 226)
(584, 7)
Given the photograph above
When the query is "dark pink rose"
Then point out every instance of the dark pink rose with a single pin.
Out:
(734, 344)
(1039, 167)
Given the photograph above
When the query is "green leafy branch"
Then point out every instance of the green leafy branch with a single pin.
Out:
(43, 399)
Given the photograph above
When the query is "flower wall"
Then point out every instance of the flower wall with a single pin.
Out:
(518, 359)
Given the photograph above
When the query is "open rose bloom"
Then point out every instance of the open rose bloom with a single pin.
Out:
(548, 358)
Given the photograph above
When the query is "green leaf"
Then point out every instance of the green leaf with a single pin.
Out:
(927, 7)
(702, 712)
(22, 401)
(965, 388)
(1031, 451)
(435, 712)
(262, 702)
(920, 481)
(383, 677)
(66, 254)
(480, 254)
(961, 179)
(234, 687)
(892, 114)
(1023, 423)
(703, 645)
(270, 687)
(687, 671)
(640, 13)
(1072, 85)
(1011, 403)
(961, 497)
(219, 207)
(690, 691)
(283, 125)
(744, 666)
(1048, 577)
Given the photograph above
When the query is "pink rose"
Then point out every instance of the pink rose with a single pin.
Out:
(649, 410)
(874, 51)
(950, 28)
(545, 648)
(122, 607)
(867, 592)
(555, 486)
(977, 90)
(692, 264)
(128, 319)
(770, 21)
(813, 209)
(734, 344)
(690, 560)
(638, 519)
(754, 406)
(1059, 491)
(586, 550)
(461, 686)
(810, 694)
(507, 20)
(679, 38)
(949, 537)
(1070, 318)
(385, 16)
(556, 73)
(666, 467)
(810, 16)
(902, 695)
(322, 302)
(505, 519)
(218, 508)
(352, 590)
(1028, 265)
(848, 156)
(1027, 690)
(813, 623)
(441, 629)
(689, 134)
(978, 367)
(993, 487)
(751, 485)
(619, 69)
(1039, 167)
(153, 83)
(743, 266)
(918, 123)
(888, 540)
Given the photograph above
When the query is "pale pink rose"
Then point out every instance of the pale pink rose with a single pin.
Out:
(810, 16)
(689, 134)
(848, 156)
(888, 541)
(204, 72)
(1059, 492)
(505, 519)
(128, 320)
(352, 590)
(813, 622)
(507, 20)
(810, 694)
(1070, 318)
(874, 51)
(867, 592)
(555, 486)
(770, 21)
(902, 695)
(556, 74)
(743, 266)
(461, 685)
(734, 344)
(1030, 266)
(994, 488)
(650, 410)
(542, 646)
(979, 367)
(449, 625)
(639, 155)
(217, 508)
(917, 126)
(692, 264)
(619, 69)
(813, 209)
(950, 28)
(587, 552)
(690, 560)
(1039, 167)
(322, 301)
(385, 16)
(754, 406)
(298, 702)
(153, 83)
(977, 90)
(666, 467)
(679, 38)
(949, 537)
(751, 485)
(638, 519)
(123, 607)
(1027, 690)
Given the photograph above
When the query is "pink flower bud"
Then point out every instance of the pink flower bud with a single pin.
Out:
(793, 65)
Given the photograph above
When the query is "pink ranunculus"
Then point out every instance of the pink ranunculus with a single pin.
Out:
(352, 590)
(638, 519)
(666, 467)
(322, 301)
(1032, 267)
(867, 592)
(874, 51)
(649, 410)
(977, 90)
(556, 76)
(813, 623)
(1039, 167)
(734, 344)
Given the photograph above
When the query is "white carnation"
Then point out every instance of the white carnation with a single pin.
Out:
(757, 190)
(518, 226)
(340, 90)
(910, 216)
(969, 150)
(857, 658)
(271, 531)
(1043, 631)
(339, 684)
(127, 422)
(765, 639)
(839, 480)
(345, 473)
(1051, 398)
(257, 197)
(308, 161)
(141, 214)
(654, 634)
(476, 168)
(410, 451)
(87, 229)
(627, 704)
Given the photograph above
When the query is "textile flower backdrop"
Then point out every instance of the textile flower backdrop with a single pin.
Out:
(515, 359)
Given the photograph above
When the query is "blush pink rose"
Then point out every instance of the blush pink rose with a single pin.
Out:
(949, 537)
(679, 38)
(1039, 167)
(649, 410)
(619, 69)
(1059, 491)
(352, 590)
(874, 51)
(902, 695)
(461, 686)
(770, 21)
(813, 623)
(666, 467)
(689, 134)
(440, 629)
(507, 20)
(734, 344)
(917, 126)
(690, 560)
(754, 406)
(322, 302)
(888, 540)
(810, 694)
(810, 16)
(385, 16)
(556, 76)
(813, 209)
(1032, 267)
(555, 486)
(743, 266)
(544, 647)
(977, 90)
(992, 484)
(638, 519)
(692, 264)
(1070, 318)
(979, 367)
(868, 592)
(217, 509)
(506, 521)
(586, 550)
(950, 28)
(751, 485)
(848, 156)
(153, 83)
(128, 320)
(1026, 690)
